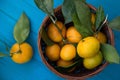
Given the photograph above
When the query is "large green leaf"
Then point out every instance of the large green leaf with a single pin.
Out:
(3, 55)
(82, 18)
(84, 14)
(67, 9)
(99, 17)
(22, 29)
(45, 5)
(115, 23)
(78, 24)
(110, 54)
(45, 37)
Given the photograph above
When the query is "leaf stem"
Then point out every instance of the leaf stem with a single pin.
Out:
(105, 20)
(3, 54)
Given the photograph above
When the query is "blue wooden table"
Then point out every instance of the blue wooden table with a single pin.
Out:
(10, 11)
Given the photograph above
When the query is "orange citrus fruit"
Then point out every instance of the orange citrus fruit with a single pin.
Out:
(68, 52)
(53, 52)
(63, 63)
(88, 47)
(21, 53)
(92, 62)
(73, 35)
(101, 37)
(54, 33)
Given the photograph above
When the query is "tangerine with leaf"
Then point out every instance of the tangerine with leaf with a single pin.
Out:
(21, 53)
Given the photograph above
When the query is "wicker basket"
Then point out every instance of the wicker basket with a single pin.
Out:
(72, 76)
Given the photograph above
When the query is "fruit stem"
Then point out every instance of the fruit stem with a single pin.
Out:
(54, 19)
(17, 52)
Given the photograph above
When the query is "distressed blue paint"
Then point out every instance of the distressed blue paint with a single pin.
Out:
(10, 11)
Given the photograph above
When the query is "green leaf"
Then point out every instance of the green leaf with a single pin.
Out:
(99, 17)
(84, 14)
(81, 17)
(67, 9)
(115, 23)
(45, 37)
(22, 29)
(110, 54)
(3, 55)
(80, 28)
(68, 68)
(45, 5)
